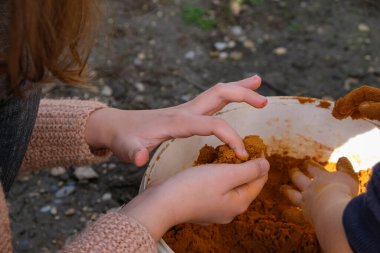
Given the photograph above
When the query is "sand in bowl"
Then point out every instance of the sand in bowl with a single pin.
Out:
(271, 223)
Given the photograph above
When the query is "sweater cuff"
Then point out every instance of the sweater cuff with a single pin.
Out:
(113, 232)
(58, 137)
(361, 226)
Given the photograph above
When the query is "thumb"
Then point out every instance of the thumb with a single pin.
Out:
(370, 110)
(246, 172)
(131, 150)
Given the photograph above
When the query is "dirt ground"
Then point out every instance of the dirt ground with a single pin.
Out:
(158, 53)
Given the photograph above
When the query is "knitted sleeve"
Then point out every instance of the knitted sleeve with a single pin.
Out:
(58, 135)
(361, 218)
(114, 232)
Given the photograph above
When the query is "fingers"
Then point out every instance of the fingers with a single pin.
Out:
(236, 175)
(207, 125)
(314, 168)
(299, 179)
(131, 150)
(249, 191)
(220, 95)
(252, 83)
(293, 195)
(370, 110)
(344, 165)
(349, 104)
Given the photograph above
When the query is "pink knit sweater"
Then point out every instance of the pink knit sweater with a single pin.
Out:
(58, 139)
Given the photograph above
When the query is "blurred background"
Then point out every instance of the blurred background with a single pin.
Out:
(158, 53)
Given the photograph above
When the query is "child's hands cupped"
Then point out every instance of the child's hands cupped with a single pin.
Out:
(213, 193)
(131, 135)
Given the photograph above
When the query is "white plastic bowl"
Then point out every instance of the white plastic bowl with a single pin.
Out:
(285, 124)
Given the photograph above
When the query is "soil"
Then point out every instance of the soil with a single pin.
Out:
(148, 56)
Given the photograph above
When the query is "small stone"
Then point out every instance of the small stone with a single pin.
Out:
(367, 57)
(231, 44)
(236, 56)
(364, 28)
(107, 196)
(186, 97)
(190, 55)
(106, 91)
(140, 87)
(111, 166)
(53, 211)
(45, 209)
(85, 173)
(24, 178)
(57, 171)
(220, 46)
(70, 212)
(249, 44)
(223, 55)
(65, 191)
(236, 30)
(141, 56)
(213, 54)
(349, 83)
(280, 51)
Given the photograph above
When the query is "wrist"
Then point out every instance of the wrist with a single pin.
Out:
(98, 131)
(150, 211)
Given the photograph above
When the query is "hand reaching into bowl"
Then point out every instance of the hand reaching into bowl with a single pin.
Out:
(212, 193)
(363, 102)
(130, 135)
(323, 197)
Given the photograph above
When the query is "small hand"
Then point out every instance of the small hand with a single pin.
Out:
(132, 134)
(213, 193)
(363, 102)
(323, 198)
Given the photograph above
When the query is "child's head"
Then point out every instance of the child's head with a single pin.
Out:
(48, 37)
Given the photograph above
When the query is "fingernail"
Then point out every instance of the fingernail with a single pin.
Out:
(264, 165)
(242, 154)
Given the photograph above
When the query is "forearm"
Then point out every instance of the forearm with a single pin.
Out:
(58, 137)
(113, 232)
(328, 224)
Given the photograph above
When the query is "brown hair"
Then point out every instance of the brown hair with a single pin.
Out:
(49, 38)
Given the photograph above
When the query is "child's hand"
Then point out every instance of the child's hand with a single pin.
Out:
(213, 193)
(363, 102)
(323, 198)
(132, 134)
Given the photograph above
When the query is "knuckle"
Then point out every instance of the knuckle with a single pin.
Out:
(219, 88)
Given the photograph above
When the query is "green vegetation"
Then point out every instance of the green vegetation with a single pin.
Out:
(198, 16)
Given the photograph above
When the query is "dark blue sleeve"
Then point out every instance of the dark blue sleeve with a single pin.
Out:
(361, 218)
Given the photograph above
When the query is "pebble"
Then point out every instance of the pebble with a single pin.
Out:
(45, 209)
(364, 28)
(141, 56)
(107, 196)
(106, 91)
(213, 54)
(186, 97)
(249, 44)
(280, 51)
(57, 171)
(53, 211)
(190, 55)
(236, 30)
(70, 212)
(236, 56)
(231, 44)
(223, 55)
(220, 46)
(111, 166)
(85, 173)
(140, 87)
(65, 191)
